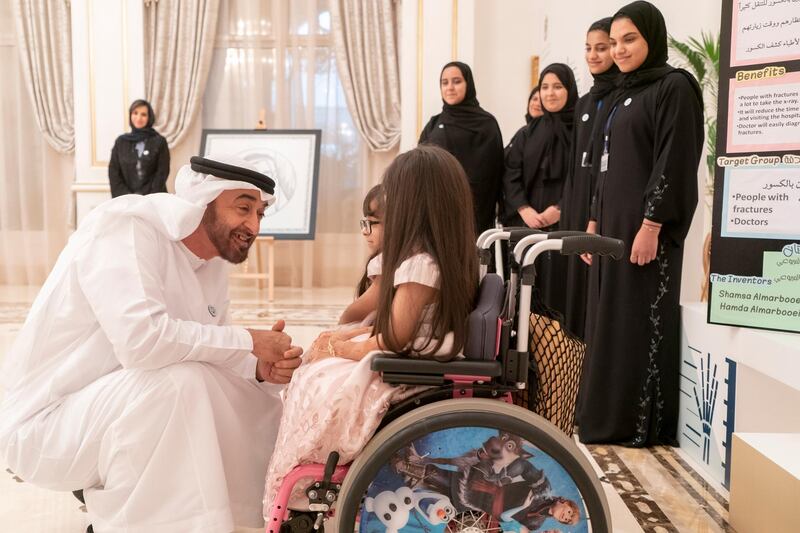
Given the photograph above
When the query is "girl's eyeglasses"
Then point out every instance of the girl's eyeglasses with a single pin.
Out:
(366, 225)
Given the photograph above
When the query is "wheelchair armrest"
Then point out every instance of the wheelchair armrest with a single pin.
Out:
(395, 365)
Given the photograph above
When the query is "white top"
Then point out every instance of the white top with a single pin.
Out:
(124, 293)
(422, 269)
(375, 266)
(419, 268)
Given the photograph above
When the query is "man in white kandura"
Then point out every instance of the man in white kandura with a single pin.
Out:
(126, 379)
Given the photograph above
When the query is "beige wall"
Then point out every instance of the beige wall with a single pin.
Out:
(507, 36)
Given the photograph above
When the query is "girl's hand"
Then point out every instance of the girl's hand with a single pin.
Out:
(531, 217)
(340, 336)
(590, 228)
(551, 215)
(342, 345)
(321, 342)
(645, 244)
(350, 350)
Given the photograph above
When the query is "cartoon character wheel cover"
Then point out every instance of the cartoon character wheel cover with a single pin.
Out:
(472, 480)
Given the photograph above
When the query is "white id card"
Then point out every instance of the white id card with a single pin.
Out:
(604, 162)
(584, 163)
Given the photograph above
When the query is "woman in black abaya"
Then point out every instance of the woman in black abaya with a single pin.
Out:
(579, 187)
(139, 161)
(650, 144)
(472, 135)
(537, 164)
(534, 110)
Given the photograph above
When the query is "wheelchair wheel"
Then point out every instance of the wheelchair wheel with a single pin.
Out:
(471, 466)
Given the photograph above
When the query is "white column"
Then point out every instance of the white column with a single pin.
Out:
(108, 71)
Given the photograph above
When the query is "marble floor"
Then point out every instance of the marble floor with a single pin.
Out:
(651, 490)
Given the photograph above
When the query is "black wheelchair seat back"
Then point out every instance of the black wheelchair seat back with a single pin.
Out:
(482, 324)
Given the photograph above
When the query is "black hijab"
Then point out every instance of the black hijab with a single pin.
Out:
(560, 122)
(472, 135)
(650, 23)
(607, 81)
(528, 116)
(551, 133)
(467, 114)
(140, 134)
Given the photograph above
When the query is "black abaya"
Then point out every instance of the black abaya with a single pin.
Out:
(575, 205)
(141, 169)
(629, 392)
(578, 191)
(473, 136)
(140, 159)
(537, 162)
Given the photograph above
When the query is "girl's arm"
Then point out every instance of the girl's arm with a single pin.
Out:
(363, 305)
(407, 308)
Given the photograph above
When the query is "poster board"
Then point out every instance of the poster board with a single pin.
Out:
(755, 249)
(291, 158)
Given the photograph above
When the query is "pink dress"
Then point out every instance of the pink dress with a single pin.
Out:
(336, 404)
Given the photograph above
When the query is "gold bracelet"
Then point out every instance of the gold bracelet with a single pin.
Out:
(651, 227)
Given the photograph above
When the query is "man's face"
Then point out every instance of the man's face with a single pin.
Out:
(232, 221)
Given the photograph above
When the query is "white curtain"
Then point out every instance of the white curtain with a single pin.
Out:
(278, 56)
(34, 179)
(365, 36)
(44, 41)
(179, 37)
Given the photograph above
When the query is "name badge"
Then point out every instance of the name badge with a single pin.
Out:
(604, 162)
(584, 162)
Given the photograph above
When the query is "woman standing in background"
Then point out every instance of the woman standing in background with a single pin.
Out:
(472, 135)
(579, 187)
(534, 110)
(140, 159)
(536, 168)
(534, 106)
(652, 137)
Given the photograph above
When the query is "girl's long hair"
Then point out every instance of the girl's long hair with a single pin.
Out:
(429, 210)
(375, 195)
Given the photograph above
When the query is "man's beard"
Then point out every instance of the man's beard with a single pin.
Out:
(223, 239)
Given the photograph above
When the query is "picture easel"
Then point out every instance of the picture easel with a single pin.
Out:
(252, 266)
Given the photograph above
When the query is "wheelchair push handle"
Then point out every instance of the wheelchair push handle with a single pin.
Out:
(517, 234)
(593, 244)
(560, 234)
(485, 235)
(522, 239)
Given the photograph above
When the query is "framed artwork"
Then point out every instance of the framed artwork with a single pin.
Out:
(291, 158)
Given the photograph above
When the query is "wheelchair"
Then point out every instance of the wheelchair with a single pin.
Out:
(460, 456)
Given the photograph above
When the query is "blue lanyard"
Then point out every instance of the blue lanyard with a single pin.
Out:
(607, 128)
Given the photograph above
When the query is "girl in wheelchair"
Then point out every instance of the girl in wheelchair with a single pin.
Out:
(427, 289)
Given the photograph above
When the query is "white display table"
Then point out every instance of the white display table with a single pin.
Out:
(733, 379)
